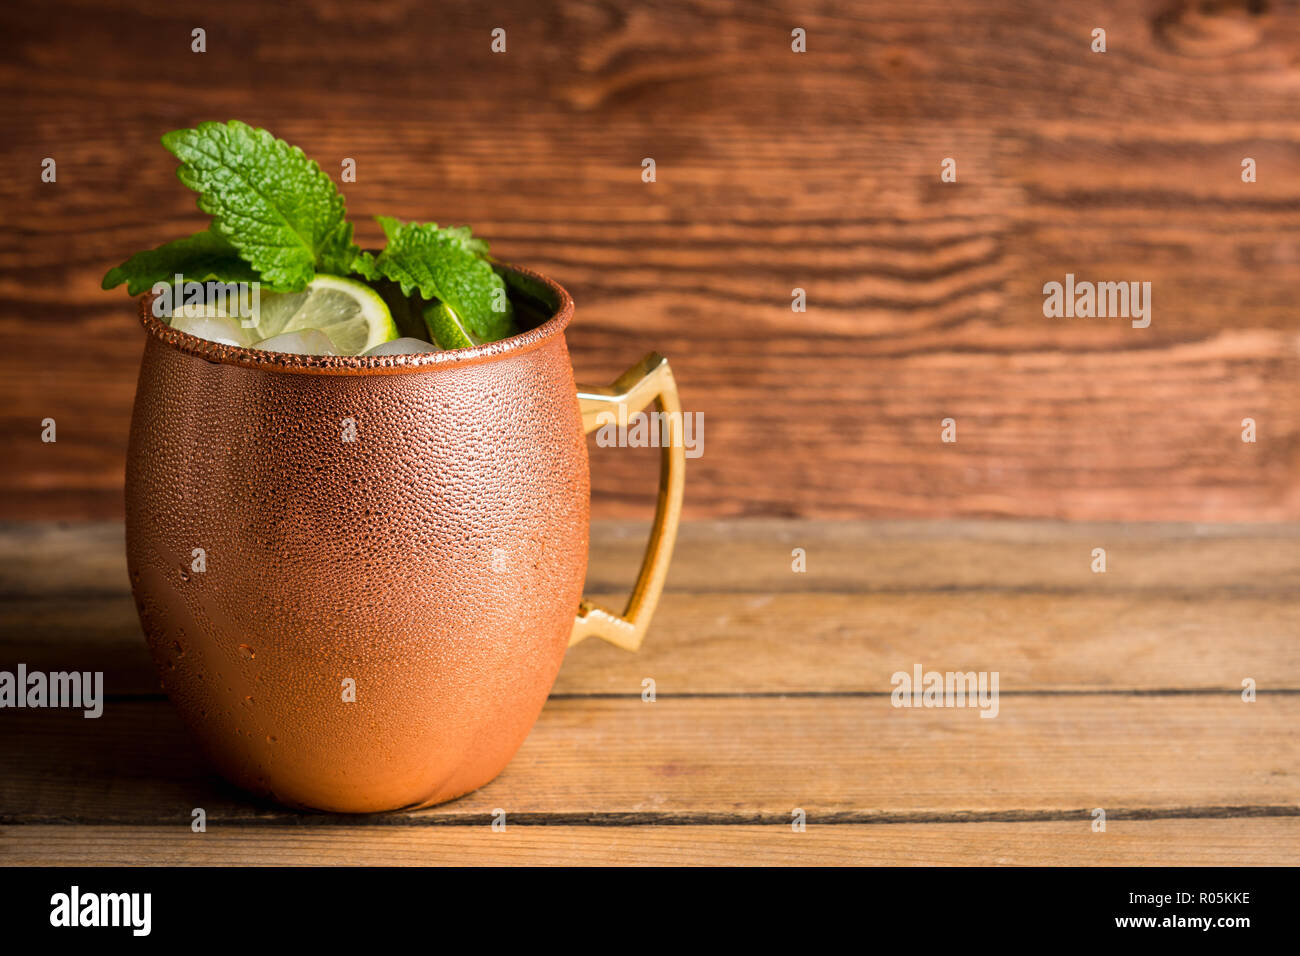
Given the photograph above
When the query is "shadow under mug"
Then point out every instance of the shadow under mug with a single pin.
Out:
(358, 575)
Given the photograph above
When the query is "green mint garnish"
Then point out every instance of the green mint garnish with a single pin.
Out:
(200, 257)
(276, 206)
(277, 218)
(447, 265)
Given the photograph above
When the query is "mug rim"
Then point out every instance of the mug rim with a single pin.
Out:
(365, 364)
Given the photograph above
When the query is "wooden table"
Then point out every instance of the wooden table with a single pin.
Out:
(1120, 691)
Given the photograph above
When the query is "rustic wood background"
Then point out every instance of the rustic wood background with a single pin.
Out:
(775, 170)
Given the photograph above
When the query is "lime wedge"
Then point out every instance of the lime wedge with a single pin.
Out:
(351, 313)
(446, 328)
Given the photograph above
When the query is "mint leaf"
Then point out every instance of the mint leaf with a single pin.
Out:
(444, 264)
(366, 266)
(276, 206)
(462, 235)
(200, 257)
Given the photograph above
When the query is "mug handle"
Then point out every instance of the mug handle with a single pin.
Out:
(648, 380)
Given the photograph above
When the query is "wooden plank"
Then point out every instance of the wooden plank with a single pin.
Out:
(1180, 608)
(924, 298)
(737, 760)
(833, 643)
(754, 556)
(1271, 841)
(726, 643)
(866, 556)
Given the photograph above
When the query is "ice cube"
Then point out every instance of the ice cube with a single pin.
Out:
(406, 346)
(214, 328)
(301, 342)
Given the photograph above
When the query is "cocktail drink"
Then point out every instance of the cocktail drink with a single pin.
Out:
(358, 560)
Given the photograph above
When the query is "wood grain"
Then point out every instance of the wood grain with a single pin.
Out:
(736, 760)
(1120, 691)
(1182, 608)
(775, 170)
(726, 643)
(40, 559)
(1267, 841)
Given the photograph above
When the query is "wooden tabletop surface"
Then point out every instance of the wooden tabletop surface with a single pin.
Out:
(1119, 691)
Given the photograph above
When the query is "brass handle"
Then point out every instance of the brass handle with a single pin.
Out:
(650, 380)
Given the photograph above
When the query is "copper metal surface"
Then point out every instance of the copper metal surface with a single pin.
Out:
(436, 561)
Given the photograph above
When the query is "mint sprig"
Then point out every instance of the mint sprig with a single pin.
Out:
(276, 206)
(278, 218)
(447, 265)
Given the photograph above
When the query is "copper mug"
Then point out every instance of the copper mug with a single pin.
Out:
(358, 576)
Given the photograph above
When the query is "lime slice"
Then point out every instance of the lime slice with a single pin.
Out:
(351, 313)
(446, 328)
